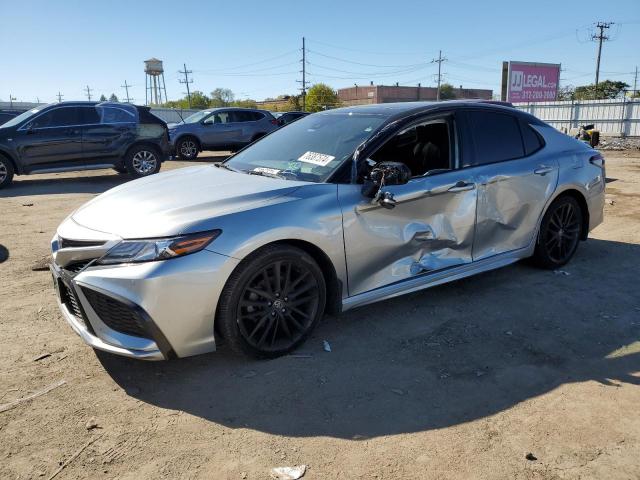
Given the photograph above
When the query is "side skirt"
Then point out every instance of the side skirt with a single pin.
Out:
(432, 279)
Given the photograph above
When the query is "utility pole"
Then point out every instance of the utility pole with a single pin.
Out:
(89, 90)
(600, 37)
(11, 99)
(439, 61)
(304, 77)
(186, 81)
(126, 89)
(59, 96)
(635, 83)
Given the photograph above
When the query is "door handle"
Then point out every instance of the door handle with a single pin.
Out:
(462, 187)
(543, 170)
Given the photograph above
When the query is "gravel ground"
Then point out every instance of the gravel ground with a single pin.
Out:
(517, 373)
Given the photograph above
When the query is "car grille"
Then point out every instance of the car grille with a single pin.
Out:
(115, 314)
(68, 298)
(67, 243)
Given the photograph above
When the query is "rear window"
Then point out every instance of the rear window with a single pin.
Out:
(531, 140)
(496, 136)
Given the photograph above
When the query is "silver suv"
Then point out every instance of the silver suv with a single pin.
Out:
(219, 129)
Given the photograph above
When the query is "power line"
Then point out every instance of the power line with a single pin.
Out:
(362, 64)
(186, 81)
(600, 37)
(89, 90)
(126, 88)
(237, 67)
(439, 61)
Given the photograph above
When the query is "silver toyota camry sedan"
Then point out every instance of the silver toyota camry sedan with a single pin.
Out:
(339, 209)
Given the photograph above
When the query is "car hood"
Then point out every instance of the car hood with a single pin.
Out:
(169, 203)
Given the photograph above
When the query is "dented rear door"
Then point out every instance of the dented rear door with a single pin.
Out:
(430, 228)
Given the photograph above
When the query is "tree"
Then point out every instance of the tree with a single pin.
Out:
(566, 93)
(113, 98)
(247, 103)
(606, 89)
(103, 98)
(198, 100)
(221, 97)
(447, 92)
(294, 103)
(321, 97)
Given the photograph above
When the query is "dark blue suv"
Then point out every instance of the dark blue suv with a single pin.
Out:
(72, 136)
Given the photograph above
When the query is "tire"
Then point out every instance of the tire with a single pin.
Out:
(142, 161)
(560, 232)
(268, 320)
(187, 148)
(6, 172)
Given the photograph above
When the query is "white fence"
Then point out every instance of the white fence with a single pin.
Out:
(619, 117)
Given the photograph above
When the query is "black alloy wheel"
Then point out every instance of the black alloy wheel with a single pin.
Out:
(273, 302)
(560, 233)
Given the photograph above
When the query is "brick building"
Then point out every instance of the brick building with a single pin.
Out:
(362, 95)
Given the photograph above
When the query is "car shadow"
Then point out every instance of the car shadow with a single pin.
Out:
(432, 359)
(60, 184)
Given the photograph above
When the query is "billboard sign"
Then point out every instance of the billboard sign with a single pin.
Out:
(531, 82)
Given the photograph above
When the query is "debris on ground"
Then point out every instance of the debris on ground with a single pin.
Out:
(508, 332)
(91, 424)
(288, 473)
(41, 357)
(27, 204)
(15, 403)
(618, 143)
(397, 391)
(561, 272)
(41, 264)
(530, 456)
(326, 346)
(74, 456)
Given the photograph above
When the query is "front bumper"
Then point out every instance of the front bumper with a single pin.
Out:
(173, 301)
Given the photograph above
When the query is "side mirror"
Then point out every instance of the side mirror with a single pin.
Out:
(385, 174)
(29, 128)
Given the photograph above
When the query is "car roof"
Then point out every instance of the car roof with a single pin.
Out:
(400, 110)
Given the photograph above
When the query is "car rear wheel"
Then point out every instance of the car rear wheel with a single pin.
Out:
(6, 172)
(560, 232)
(142, 161)
(187, 148)
(272, 302)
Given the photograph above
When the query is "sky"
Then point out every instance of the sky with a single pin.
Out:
(254, 47)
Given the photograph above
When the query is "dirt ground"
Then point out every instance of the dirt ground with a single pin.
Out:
(459, 381)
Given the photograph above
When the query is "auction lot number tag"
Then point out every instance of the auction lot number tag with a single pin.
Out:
(316, 158)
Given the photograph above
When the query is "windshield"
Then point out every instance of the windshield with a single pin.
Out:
(196, 117)
(310, 149)
(23, 116)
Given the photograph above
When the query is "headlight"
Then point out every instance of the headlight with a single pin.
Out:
(135, 251)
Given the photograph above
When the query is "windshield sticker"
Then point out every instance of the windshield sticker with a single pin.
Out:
(269, 171)
(316, 158)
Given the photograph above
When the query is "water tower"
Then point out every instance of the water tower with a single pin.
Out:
(154, 82)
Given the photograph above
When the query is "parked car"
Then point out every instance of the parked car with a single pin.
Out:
(219, 129)
(340, 209)
(8, 114)
(70, 136)
(289, 117)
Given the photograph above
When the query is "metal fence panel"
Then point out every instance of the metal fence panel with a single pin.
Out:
(617, 117)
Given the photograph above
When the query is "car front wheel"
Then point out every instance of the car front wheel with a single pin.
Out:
(560, 232)
(6, 172)
(187, 148)
(142, 161)
(271, 302)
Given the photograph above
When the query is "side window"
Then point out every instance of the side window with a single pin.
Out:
(90, 116)
(531, 139)
(241, 116)
(496, 136)
(58, 117)
(221, 117)
(255, 116)
(116, 115)
(423, 148)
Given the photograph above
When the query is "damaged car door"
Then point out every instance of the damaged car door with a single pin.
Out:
(515, 175)
(429, 222)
